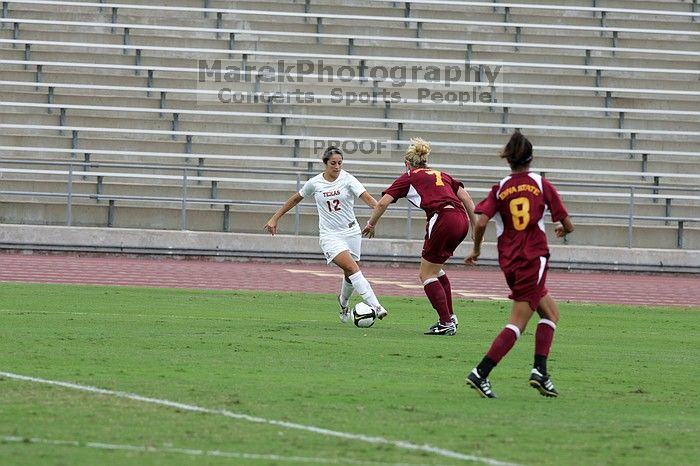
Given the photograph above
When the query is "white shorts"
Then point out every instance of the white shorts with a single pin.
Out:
(334, 245)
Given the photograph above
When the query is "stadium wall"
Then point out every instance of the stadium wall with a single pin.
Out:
(239, 246)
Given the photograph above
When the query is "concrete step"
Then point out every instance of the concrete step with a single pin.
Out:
(360, 104)
(591, 201)
(88, 142)
(363, 93)
(328, 46)
(188, 80)
(479, 178)
(250, 220)
(247, 125)
(209, 40)
(189, 60)
(528, 16)
(497, 33)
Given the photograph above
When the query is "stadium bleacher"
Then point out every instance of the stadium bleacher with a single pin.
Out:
(109, 120)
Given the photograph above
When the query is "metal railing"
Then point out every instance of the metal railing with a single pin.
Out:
(185, 200)
(400, 124)
(229, 53)
(269, 97)
(497, 4)
(314, 164)
(319, 17)
(353, 39)
(297, 140)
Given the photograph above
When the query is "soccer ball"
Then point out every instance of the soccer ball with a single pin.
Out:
(363, 316)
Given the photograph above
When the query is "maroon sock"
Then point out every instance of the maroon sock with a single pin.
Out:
(445, 282)
(544, 335)
(436, 294)
(503, 343)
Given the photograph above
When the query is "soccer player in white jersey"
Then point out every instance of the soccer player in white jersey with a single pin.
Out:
(340, 237)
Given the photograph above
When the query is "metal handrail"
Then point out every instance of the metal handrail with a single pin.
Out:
(299, 116)
(383, 59)
(184, 200)
(243, 12)
(297, 139)
(257, 74)
(463, 173)
(353, 37)
(254, 96)
(310, 161)
(530, 6)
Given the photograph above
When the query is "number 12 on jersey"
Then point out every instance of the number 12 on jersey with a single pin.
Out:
(334, 207)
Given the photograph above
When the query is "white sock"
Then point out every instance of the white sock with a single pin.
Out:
(346, 290)
(365, 289)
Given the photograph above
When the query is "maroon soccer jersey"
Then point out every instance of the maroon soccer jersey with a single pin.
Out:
(518, 204)
(429, 189)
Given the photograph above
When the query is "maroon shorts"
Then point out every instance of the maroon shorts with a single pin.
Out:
(527, 281)
(445, 230)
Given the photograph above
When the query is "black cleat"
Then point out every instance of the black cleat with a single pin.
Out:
(442, 329)
(482, 385)
(543, 384)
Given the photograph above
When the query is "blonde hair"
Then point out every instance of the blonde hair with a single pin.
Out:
(417, 153)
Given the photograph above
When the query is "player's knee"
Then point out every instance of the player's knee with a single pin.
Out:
(554, 316)
(548, 309)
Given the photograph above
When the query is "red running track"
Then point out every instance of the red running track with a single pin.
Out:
(467, 282)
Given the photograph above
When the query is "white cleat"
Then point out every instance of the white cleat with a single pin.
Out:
(381, 312)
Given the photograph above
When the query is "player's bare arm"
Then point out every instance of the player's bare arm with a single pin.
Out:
(271, 225)
(378, 211)
(368, 199)
(468, 202)
(565, 228)
(479, 230)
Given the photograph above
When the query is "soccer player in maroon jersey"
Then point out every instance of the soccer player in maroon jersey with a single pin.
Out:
(518, 204)
(448, 208)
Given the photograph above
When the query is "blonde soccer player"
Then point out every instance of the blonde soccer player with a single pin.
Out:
(448, 208)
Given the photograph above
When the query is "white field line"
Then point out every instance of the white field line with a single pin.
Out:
(194, 452)
(116, 314)
(144, 316)
(258, 420)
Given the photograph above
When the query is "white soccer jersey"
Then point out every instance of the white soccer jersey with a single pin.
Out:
(335, 202)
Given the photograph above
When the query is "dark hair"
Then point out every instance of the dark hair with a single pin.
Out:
(518, 151)
(330, 151)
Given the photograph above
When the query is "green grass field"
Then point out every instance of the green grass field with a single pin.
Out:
(629, 378)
